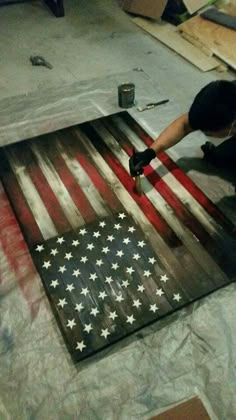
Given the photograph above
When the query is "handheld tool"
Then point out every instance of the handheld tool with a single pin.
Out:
(137, 179)
(152, 105)
(38, 60)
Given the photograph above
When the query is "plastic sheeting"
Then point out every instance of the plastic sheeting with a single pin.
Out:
(189, 353)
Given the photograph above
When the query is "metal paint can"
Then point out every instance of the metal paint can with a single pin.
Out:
(126, 95)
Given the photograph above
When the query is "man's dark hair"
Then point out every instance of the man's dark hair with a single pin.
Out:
(214, 107)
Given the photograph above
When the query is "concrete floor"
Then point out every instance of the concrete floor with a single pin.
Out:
(182, 356)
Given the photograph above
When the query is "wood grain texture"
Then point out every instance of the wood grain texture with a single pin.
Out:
(220, 40)
(169, 36)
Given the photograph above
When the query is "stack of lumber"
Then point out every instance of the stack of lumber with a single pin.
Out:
(170, 36)
(219, 40)
(205, 44)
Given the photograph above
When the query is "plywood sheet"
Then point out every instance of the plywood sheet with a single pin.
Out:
(169, 36)
(220, 40)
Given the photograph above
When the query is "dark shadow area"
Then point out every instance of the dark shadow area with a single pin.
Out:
(228, 203)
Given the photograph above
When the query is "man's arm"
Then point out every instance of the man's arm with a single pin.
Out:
(172, 135)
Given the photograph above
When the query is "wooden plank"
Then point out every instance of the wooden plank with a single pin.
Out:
(169, 36)
(220, 40)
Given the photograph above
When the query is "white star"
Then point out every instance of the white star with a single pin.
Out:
(82, 232)
(109, 280)
(125, 283)
(88, 327)
(126, 241)
(84, 291)
(113, 315)
(60, 240)
(177, 297)
(153, 308)
(39, 248)
(76, 273)
(117, 226)
(80, 345)
(110, 238)
(130, 270)
(151, 260)
(83, 259)
(119, 298)
(47, 264)
(54, 252)
(105, 250)
(93, 276)
(131, 229)
(105, 333)
(62, 303)
(68, 256)
(54, 283)
(75, 242)
(147, 273)
(70, 287)
(120, 253)
(96, 234)
(141, 244)
(94, 312)
(159, 292)
(164, 278)
(102, 295)
(121, 216)
(136, 257)
(71, 323)
(114, 266)
(102, 224)
(90, 247)
(62, 269)
(130, 319)
(141, 288)
(79, 307)
(137, 303)
(99, 263)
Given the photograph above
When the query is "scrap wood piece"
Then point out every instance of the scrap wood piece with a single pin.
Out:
(192, 409)
(169, 36)
(220, 40)
(223, 19)
(194, 5)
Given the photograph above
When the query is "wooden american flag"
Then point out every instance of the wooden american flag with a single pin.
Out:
(111, 261)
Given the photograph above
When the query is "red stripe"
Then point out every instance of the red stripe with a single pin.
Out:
(17, 254)
(106, 192)
(187, 183)
(75, 191)
(46, 193)
(23, 212)
(148, 209)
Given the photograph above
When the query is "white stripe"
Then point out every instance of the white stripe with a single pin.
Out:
(191, 203)
(85, 183)
(160, 248)
(195, 248)
(32, 196)
(67, 204)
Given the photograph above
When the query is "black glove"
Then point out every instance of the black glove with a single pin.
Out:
(140, 159)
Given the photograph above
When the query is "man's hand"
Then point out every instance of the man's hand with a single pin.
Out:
(139, 160)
